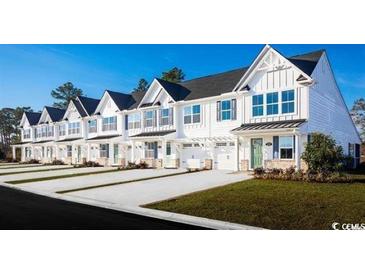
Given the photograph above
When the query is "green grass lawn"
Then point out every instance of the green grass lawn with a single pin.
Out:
(276, 204)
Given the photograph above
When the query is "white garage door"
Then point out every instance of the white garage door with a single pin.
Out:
(192, 154)
(225, 156)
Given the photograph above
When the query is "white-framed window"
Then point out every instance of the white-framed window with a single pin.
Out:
(164, 119)
(93, 126)
(74, 128)
(272, 103)
(26, 133)
(226, 110)
(192, 114)
(44, 131)
(38, 132)
(104, 150)
(62, 130)
(286, 147)
(257, 105)
(134, 120)
(168, 148)
(287, 101)
(149, 118)
(69, 151)
(110, 123)
(150, 150)
(50, 131)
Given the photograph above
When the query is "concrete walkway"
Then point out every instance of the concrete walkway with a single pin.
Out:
(97, 179)
(11, 170)
(16, 166)
(44, 174)
(149, 191)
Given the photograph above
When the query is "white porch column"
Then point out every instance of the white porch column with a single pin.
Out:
(133, 151)
(88, 157)
(163, 147)
(297, 151)
(56, 154)
(237, 145)
(14, 152)
(32, 151)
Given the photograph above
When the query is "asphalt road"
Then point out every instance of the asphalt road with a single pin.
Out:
(24, 210)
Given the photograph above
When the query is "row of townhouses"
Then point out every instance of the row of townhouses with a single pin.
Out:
(256, 116)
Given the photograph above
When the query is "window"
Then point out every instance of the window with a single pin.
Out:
(272, 106)
(50, 131)
(221, 144)
(74, 128)
(257, 105)
(134, 120)
(69, 151)
(151, 150)
(164, 119)
(110, 123)
(287, 101)
(62, 130)
(192, 114)
(226, 110)
(93, 126)
(26, 134)
(286, 147)
(104, 150)
(44, 131)
(168, 148)
(149, 118)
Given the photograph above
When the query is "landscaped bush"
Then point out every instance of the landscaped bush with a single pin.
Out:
(323, 155)
(132, 165)
(290, 174)
(88, 164)
(32, 161)
(55, 163)
(11, 160)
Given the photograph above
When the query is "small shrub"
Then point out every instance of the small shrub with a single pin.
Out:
(32, 161)
(11, 160)
(88, 164)
(259, 172)
(143, 165)
(131, 165)
(56, 163)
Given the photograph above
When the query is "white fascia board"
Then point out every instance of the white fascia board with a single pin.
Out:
(102, 101)
(148, 91)
(22, 121)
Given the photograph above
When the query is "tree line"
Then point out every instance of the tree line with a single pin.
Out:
(10, 117)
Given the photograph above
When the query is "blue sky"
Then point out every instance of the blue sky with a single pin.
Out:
(28, 73)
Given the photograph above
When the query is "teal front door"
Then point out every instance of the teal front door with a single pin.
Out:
(256, 153)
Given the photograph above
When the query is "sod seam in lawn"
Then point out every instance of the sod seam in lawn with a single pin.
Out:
(120, 183)
(275, 204)
(32, 180)
(33, 171)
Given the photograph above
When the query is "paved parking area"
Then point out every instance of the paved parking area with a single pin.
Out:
(31, 168)
(44, 174)
(148, 191)
(97, 179)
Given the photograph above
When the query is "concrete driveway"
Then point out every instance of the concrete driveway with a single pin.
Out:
(97, 179)
(148, 191)
(30, 168)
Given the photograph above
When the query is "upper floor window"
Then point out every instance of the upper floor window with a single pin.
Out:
(166, 116)
(192, 114)
(74, 128)
(272, 105)
(44, 131)
(149, 118)
(50, 131)
(26, 134)
(134, 120)
(287, 101)
(62, 130)
(110, 123)
(93, 127)
(257, 105)
(226, 110)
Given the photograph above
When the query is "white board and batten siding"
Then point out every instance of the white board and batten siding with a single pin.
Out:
(276, 80)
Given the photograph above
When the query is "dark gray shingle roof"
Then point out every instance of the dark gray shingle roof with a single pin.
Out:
(89, 104)
(79, 108)
(56, 114)
(33, 117)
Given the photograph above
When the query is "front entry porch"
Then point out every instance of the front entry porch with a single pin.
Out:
(272, 145)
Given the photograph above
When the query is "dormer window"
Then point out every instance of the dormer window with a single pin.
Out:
(149, 118)
(166, 116)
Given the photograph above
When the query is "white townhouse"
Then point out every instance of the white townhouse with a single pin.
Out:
(257, 116)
